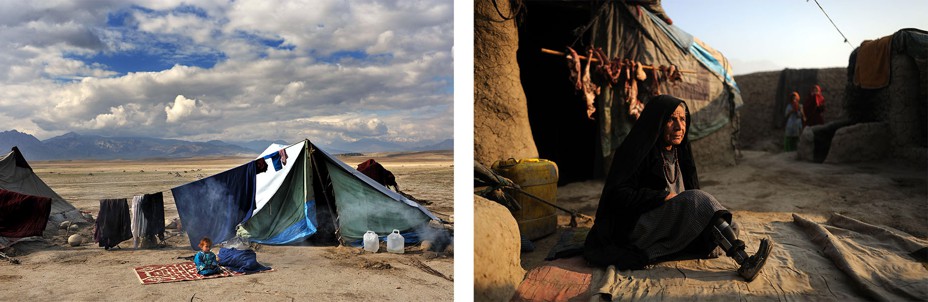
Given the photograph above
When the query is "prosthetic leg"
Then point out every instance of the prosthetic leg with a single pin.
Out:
(734, 248)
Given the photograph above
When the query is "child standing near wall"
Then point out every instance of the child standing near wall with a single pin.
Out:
(794, 120)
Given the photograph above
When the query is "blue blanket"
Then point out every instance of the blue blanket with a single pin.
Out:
(242, 261)
(213, 206)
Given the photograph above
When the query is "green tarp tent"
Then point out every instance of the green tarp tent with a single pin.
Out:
(315, 194)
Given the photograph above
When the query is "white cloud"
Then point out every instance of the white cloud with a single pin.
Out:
(184, 108)
(198, 29)
(119, 116)
(292, 91)
(275, 76)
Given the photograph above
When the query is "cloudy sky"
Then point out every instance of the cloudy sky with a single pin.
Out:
(331, 71)
(763, 35)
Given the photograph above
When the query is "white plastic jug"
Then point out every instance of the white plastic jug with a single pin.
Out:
(371, 242)
(395, 242)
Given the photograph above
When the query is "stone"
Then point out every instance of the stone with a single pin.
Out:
(64, 224)
(75, 240)
(497, 260)
(74, 228)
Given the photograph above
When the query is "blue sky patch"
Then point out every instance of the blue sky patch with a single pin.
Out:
(350, 56)
(121, 18)
(139, 61)
(449, 84)
(151, 52)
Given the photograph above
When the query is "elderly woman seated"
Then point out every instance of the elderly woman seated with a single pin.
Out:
(651, 208)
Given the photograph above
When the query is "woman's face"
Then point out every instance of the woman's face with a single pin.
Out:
(675, 127)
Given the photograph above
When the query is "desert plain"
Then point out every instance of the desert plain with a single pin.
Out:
(50, 269)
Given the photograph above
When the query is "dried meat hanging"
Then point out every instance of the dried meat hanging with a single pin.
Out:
(613, 72)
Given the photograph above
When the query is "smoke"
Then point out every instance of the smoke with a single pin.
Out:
(439, 236)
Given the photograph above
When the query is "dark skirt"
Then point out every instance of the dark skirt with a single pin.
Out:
(673, 227)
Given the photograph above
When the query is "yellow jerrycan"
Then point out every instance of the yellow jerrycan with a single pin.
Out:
(537, 177)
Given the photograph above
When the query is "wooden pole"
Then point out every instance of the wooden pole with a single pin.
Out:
(555, 52)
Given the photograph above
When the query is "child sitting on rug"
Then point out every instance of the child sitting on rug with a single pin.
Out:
(207, 262)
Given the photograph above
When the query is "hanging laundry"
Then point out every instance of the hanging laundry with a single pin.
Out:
(113, 224)
(138, 221)
(378, 173)
(147, 218)
(279, 159)
(213, 206)
(23, 215)
(153, 211)
(260, 166)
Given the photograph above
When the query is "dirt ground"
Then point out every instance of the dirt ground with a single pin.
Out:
(770, 186)
(51, 270)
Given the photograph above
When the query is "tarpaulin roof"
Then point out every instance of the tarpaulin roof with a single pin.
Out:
(16, 175)
(628, 31)
(287, 202)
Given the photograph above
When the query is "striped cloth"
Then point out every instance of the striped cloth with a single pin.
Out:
(672, 226)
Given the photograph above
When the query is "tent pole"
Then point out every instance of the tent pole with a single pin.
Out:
(594, 60)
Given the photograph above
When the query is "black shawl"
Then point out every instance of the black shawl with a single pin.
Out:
(636, 184)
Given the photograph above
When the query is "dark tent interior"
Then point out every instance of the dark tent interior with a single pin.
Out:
(557, 113)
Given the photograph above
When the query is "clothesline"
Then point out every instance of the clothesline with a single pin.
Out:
(555, 52)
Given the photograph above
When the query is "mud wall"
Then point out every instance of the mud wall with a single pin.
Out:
(759, 92)
(501, 128)
(715, 150)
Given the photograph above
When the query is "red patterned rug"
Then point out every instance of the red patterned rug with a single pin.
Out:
(185, 271)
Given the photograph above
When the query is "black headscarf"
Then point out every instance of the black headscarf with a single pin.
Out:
(644, 139)
(636, 182)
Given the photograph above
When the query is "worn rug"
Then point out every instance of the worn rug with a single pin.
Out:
(184, 271)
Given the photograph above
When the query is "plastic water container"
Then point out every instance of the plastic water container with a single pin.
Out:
(371, 242)
(537, 177)
(395, 242)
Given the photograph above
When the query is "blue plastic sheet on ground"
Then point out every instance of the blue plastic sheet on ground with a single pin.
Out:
(213, 206)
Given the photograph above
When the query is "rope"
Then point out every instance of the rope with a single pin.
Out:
(832, 23)
(512, 12)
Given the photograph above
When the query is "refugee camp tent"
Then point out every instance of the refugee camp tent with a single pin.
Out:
(634, 30)
(311, 193)
(638, 33)
(16, 175)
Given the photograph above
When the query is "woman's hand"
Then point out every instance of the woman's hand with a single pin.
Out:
(669, 196)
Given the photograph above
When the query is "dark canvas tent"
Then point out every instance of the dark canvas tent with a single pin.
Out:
(16, 175)
(634, 30)
(312, 193)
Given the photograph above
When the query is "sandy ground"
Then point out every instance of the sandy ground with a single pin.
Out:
(770, 186)
(51, 270)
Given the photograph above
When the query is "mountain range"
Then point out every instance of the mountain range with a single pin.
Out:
(77, 146)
